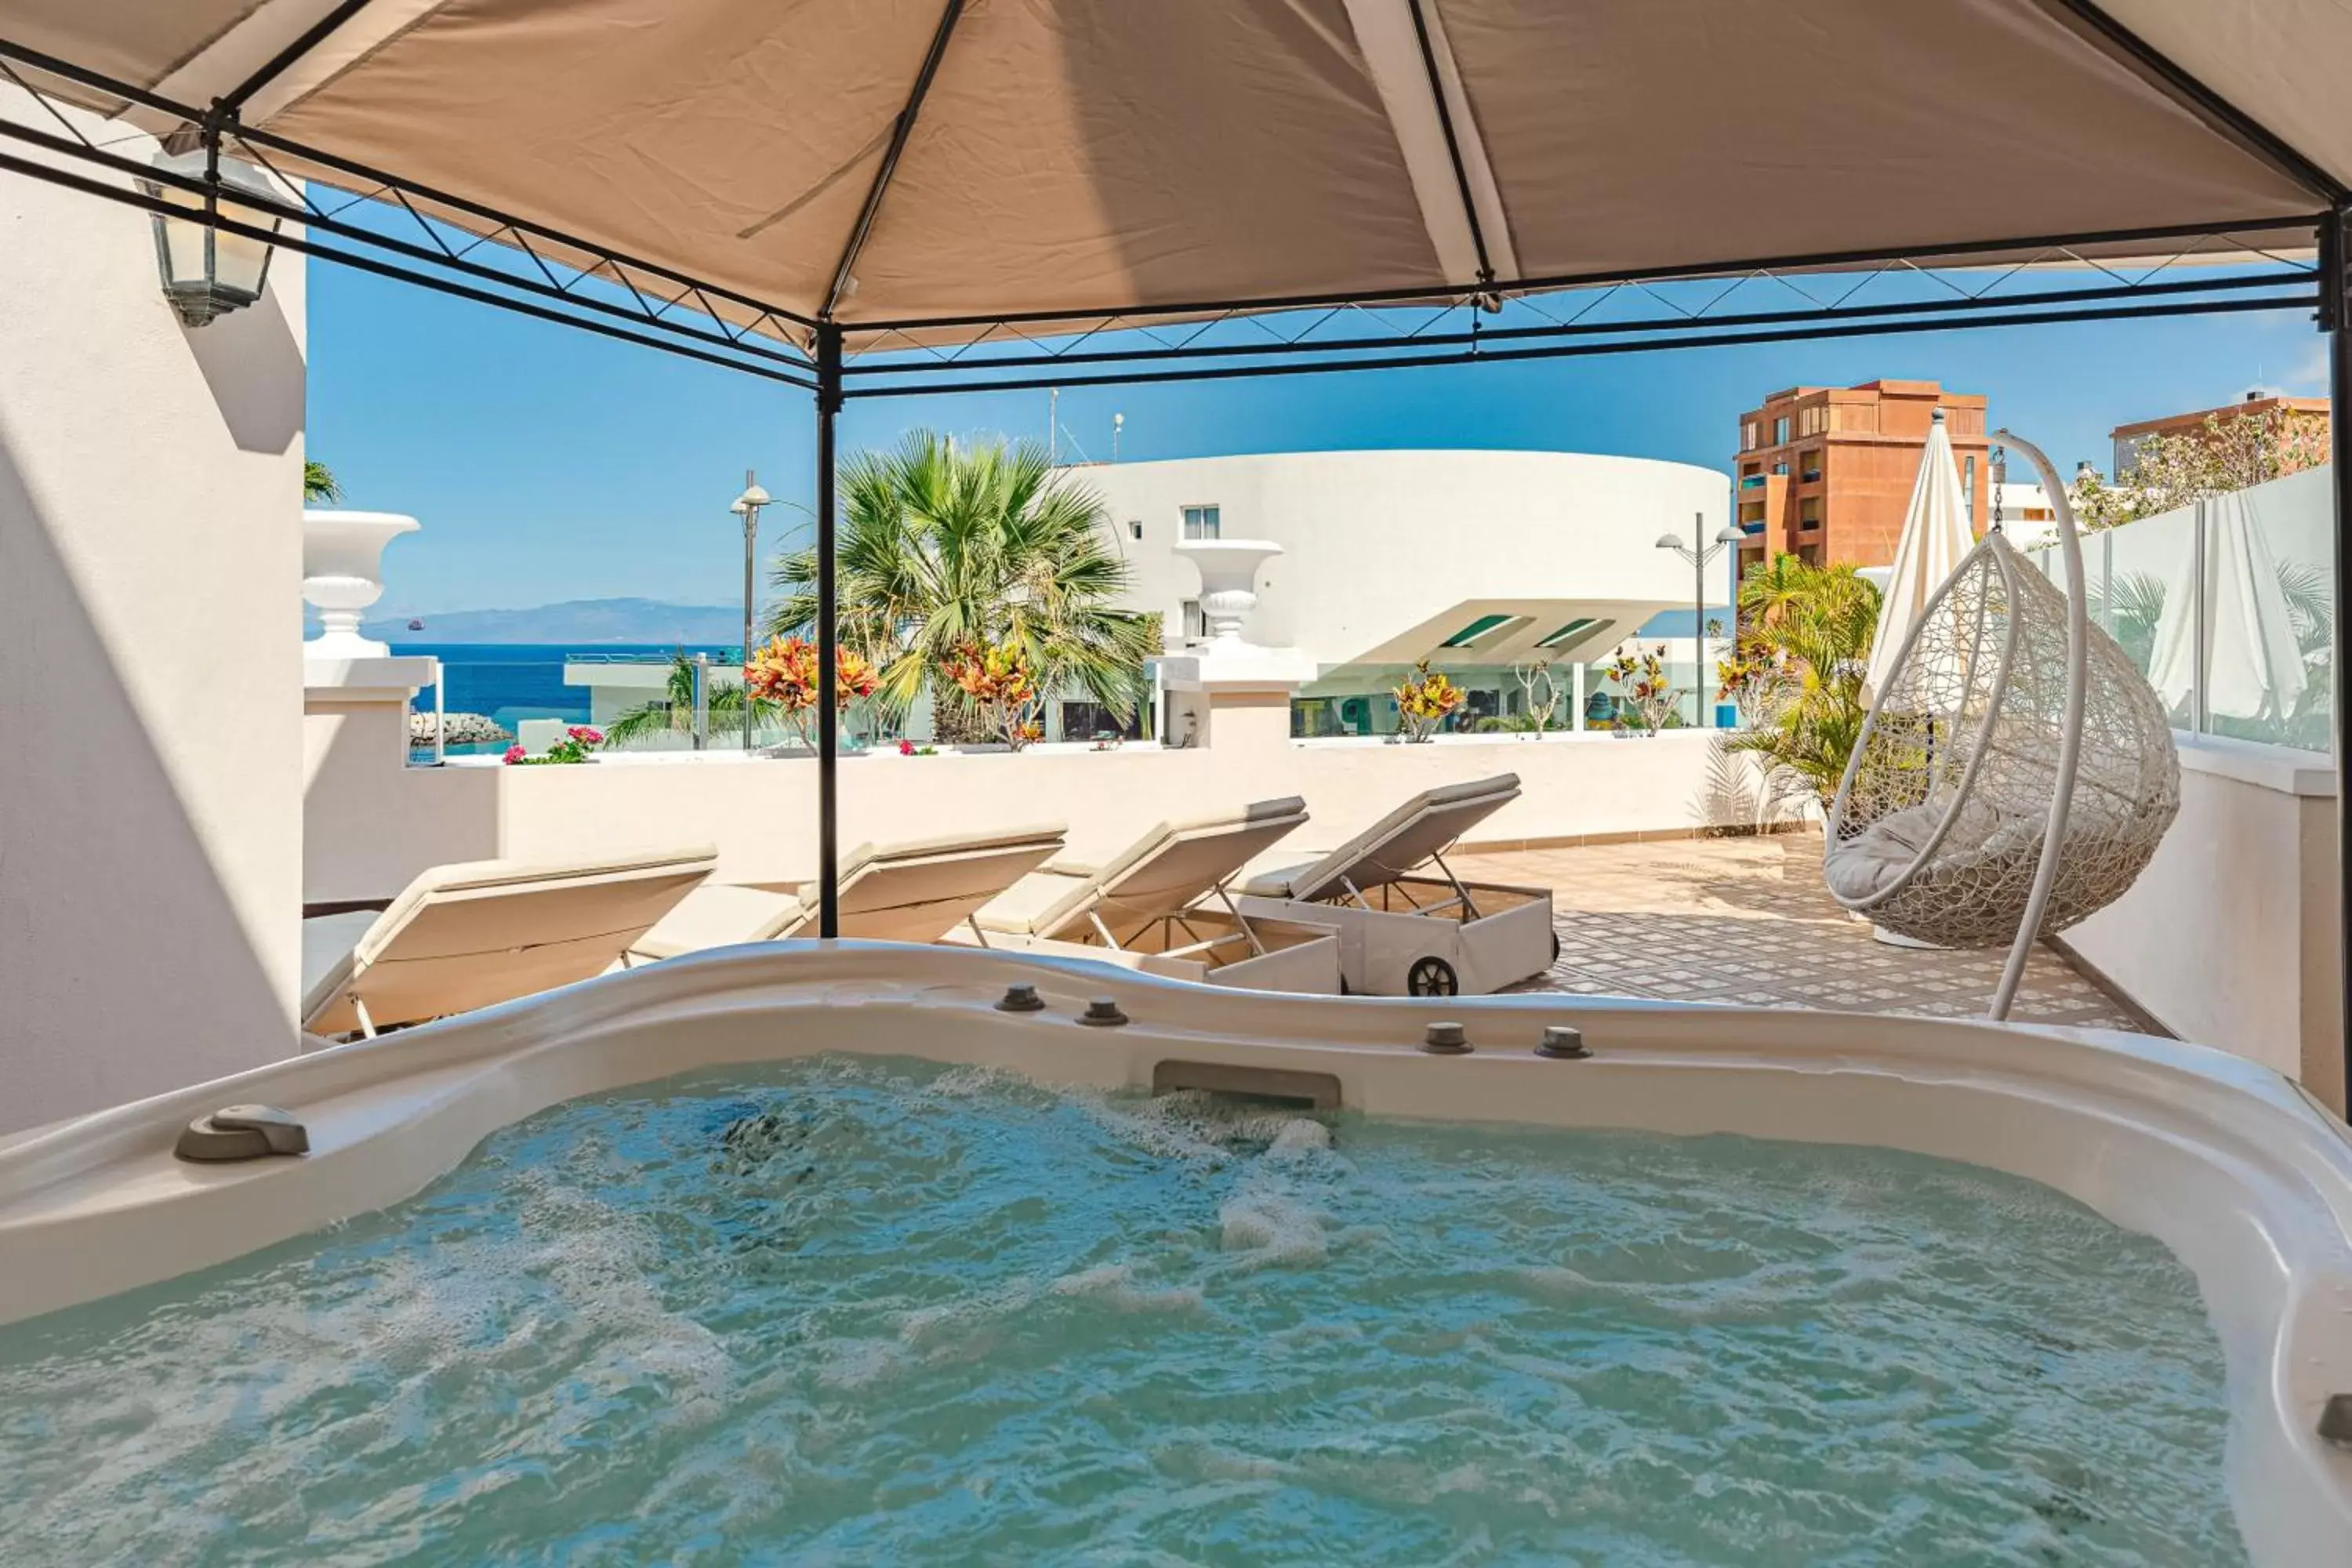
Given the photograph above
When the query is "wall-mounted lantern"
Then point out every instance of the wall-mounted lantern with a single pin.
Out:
(209, 272)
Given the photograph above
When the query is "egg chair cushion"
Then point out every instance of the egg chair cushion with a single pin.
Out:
(1870, 866)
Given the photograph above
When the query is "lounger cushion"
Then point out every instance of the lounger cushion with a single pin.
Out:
(1395, 844)
(1165, 872)
(720, 914)
(464, 935)
(916, 891)
(948, 845)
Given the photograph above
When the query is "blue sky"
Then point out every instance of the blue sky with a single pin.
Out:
(548, 464)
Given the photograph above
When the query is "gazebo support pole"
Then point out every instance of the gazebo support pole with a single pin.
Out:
(2335, 320)
(828, 641)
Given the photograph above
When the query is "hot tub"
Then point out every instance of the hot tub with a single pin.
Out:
(1491, 1296)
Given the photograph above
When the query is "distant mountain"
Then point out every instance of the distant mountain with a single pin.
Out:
(574, 621)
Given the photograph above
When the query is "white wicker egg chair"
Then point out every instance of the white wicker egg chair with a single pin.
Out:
(2016, 772)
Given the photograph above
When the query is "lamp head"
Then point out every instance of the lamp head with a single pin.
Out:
(1670, 542)
(1730, 535)
(209, 272)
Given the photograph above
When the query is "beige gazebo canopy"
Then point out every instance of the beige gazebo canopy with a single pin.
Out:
(881, 160)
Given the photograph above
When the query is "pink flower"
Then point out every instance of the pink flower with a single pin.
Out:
(515, 753)
(905, 748)
(583, 733)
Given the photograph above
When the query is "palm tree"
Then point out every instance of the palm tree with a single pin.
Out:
(672, 713)
(1810, 628)
(1770, 591)
(319, 484)
(945, 547)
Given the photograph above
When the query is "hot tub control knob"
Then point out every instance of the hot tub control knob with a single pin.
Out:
(1445, 1040)
(1021, 997)
(1102, 1013)
(1562, 1042)
(242, 1133)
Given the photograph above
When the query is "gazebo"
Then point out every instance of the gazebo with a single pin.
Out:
(857, 198)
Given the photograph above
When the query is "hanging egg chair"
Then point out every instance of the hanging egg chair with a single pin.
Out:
(2016, 772)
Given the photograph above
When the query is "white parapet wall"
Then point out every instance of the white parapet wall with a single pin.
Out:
(150, 494)
(762, 813)
(2230, 937)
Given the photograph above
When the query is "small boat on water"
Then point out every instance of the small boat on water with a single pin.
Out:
(416, 625)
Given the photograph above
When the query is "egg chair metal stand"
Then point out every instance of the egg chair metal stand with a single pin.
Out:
(2016, 772)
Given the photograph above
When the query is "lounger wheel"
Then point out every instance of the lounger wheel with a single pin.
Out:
(1432, 977)
(1555, 947)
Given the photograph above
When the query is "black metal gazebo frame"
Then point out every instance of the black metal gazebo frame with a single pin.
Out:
(367, 218)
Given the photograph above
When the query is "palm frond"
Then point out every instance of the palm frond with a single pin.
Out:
(945, 546)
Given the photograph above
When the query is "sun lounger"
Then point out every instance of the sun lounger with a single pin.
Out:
(464, 936)
(1160, 905)
(913, 892)
(1405, 932)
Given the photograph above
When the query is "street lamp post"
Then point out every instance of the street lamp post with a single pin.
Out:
(747, 507)
(1700, 558)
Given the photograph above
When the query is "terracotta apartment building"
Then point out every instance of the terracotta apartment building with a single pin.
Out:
(1825, 472)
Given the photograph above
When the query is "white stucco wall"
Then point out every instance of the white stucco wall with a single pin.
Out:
(2229, 937)
(1379, 542)
(150, 670)
(761, 814)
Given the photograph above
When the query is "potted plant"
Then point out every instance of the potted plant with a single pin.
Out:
(1002, 688)
(1425, 700)
(784, 673)
(1540, 688)
(1641, 675)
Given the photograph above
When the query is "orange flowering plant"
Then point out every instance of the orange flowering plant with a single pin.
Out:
(785, 672)
(1641, 675)
(1425, 700)
(1003, 686)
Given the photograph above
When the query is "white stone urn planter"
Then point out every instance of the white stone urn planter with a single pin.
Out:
(342, 574)
(1228, 570)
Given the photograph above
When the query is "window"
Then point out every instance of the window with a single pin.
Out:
(1748, 435)
(1582, 629)
(1092, 721)
(1809, 513)
(1968, 484)
(1136, 526)
(1194, 626)
(1809, 465)
(1814, 420)
(1781, 468)
(1201, 523)
(1780, 431)
(1478, 628)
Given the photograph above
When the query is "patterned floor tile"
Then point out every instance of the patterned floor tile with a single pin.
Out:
(1747, 920)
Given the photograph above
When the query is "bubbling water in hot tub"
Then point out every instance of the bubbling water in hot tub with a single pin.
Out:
(855, 1310)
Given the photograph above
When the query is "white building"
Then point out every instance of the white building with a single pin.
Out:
(1476, 561)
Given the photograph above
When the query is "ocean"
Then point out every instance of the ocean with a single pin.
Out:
(511, 682)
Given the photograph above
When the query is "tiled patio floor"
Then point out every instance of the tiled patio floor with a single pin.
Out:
(1747, 920)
